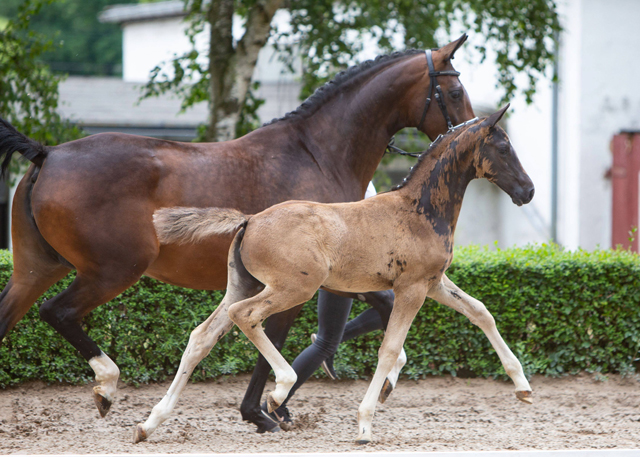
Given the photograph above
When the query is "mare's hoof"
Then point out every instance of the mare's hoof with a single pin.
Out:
(363, 442)
(139, 434)
(387, 388)
(102, 403)
(275, 429)
(525, 396)
(272, 405)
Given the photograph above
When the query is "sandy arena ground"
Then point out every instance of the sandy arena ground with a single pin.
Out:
(436, 414)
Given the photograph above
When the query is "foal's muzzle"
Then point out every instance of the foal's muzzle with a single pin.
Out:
(523, 196)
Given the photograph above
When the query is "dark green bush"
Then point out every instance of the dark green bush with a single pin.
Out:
(560, 312)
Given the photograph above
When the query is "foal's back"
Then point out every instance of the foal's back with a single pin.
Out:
(352, 247)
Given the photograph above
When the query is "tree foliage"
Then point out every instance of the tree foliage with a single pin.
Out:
(327, 35)
(28, 89)
(83, 45)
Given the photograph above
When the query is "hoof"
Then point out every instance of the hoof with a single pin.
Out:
(360, 442)
(139, 434)
(102, 403)
(286, 426)
(387, 388)
(272, 405)
(525, 396)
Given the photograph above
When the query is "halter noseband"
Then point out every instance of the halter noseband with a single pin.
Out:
(433, 87)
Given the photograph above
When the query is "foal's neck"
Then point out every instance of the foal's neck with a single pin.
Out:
(349, 134)
(436, 187)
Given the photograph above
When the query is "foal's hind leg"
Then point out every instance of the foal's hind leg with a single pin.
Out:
(240, 285)
(276, 328)
(451, 295)
(249, 314)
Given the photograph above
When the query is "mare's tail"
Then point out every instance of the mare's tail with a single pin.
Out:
(182, 225)
(13, 141)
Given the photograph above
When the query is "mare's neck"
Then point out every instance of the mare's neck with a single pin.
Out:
(436, 187)
(348, 135)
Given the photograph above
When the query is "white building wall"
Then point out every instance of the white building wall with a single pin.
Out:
(609, 101)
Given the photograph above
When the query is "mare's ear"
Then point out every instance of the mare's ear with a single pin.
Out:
(492, 120)
(450, 49)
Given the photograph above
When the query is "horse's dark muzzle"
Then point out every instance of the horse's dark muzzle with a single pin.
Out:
(524, 197)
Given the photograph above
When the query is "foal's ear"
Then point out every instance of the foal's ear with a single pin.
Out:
(450, 49)
(492, 120)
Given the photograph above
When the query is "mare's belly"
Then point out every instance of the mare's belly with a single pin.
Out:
(196, 266)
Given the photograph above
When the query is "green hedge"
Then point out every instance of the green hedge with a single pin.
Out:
(560, 312)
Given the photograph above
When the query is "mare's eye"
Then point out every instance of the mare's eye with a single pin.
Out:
(504, 150)
(455, 94)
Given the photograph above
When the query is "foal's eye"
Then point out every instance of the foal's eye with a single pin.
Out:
(504, 150)
(455, 94)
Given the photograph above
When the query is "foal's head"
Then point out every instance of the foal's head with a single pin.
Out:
(496, 160)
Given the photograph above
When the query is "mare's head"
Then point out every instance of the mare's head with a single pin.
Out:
(496, 160)
(455, 97)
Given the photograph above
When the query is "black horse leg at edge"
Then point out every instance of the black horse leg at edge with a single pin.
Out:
(277, 328)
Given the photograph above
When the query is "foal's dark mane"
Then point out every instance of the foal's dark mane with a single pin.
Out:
(326, 92)
(438, 142)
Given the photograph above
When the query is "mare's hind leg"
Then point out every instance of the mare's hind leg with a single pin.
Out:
(249, 314)
(276, 328)
(36, 266)
(65, 312)
(451, 295)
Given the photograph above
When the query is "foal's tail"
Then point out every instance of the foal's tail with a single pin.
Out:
(182, 225)
(13, 141)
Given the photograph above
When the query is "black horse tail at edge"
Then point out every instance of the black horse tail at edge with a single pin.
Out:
(13, 141)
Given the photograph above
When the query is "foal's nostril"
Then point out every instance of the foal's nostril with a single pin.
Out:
(533, 191)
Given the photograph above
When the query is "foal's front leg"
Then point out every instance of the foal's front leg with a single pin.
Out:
(451, 295)
(408, 301)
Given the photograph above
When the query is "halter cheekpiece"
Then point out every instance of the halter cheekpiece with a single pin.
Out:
(433, 87)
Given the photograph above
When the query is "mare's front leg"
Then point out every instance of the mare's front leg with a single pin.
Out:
(407, 303)
(451, 295)
(276, 328)
(249, 314)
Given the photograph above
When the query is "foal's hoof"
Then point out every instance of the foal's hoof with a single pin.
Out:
(387, 388)
(139, 434)
(102, 403)
(272, 405)
(363, 441)
(525, 396)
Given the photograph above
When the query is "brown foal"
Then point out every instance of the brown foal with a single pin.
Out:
(400, 240)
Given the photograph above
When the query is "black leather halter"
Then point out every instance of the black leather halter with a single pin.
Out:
(433, 87)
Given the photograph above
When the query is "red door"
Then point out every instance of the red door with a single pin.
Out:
(624, 175)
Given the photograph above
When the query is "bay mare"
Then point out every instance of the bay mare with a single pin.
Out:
(88, 204)
(400, 240)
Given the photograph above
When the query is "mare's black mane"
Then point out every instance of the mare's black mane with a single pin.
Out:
(329, 90)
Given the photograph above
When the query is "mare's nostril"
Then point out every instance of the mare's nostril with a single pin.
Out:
(533, 191)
